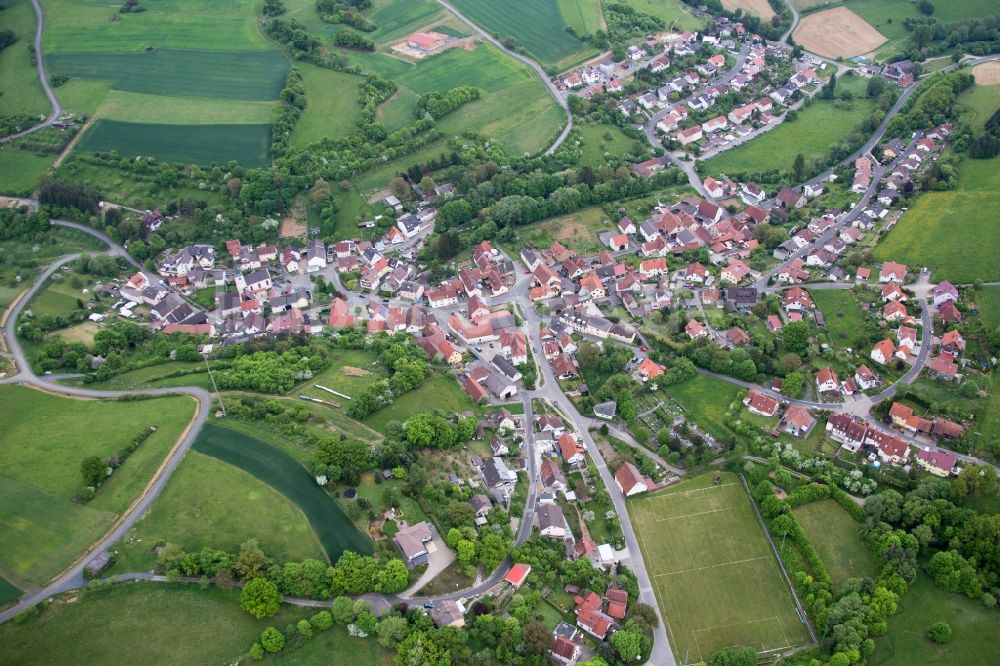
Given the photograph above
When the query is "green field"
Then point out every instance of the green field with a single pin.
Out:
(811, 134)
(887, 16)
(397, 111)
(196, 509)
(8, 592)
(331, 104)
(189, 144)
(596, 146)
(988, 305)
(132, 190)
(20, 171)
(974, 642)
(715, 577)
(18, 78)
(438, 392)
(834, 535)
(673, 12)
(166, 624)
(288, 477)
(142, 108)
(705, 400)
(394, 18)
(981, 102)
(49, 457)
(538, 26)
(584, 16)
(840, 313)
(577, 231)
(948, 231)
(154, 376)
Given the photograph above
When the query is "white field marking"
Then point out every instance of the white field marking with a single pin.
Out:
(689, 492)
(713, 566)
(690, 515)
(670, 630)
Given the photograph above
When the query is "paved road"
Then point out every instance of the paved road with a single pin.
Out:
(43, 78)
(72, 578)
(560, 100)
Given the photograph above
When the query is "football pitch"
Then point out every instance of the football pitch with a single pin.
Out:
(715, 577)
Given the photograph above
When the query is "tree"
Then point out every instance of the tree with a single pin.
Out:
(251, 561)
(536, 638)
(795, 335)
(342, 610)
(466, 551)
(792, 384)
(393, 577)
(400, 188)
(257, 651)
(926, 7)
(94, 470)
(976, 481)
(322, 620)
(588, 354)
(939, 632)
(260, 598)
(627, 643)
(391, 631)
(304, 628)
(746, 656)
(645, 614)
(272, 639)
(799, 167)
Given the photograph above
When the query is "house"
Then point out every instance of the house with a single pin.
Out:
(938, 462)
(796, 299)
(498, 478)
(947, 429)
(883, 351)
(570, 449)
(617, 602)
(690, 135)
(826, 381)
(941, 368)
(412, 542)
(481, 504)
(892, 272)
(737, 337)
(649, 370)
(605, 410)
(797, 421)
(340, 316)
(589, 616)
(894, 311)
(565, 651)
(630, 481)
(552, 475)
(735, 272)
(552, 522)
(849, 430)
(945, 291)
(865, 378)
(900, 73)
(893, 450)
(752, 194)
(550, 423)
(695, 329)
(653, 268)
(517, 574)
(952, 342)
(789, 198)
(948, 313)
(760, 404)
(695, 273)
(618, 242)
(893, 292)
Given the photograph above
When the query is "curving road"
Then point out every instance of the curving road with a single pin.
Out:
(560, 100)
(43, 78)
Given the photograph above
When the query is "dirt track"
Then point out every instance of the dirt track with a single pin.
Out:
(837, 32)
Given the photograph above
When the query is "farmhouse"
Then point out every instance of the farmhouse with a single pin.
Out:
(426, 41)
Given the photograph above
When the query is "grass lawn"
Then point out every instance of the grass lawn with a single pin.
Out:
(155, 376)
(20, 171)
(49, 457)
(449, 580)
(82, 333)
(975, 640)
(596, 145)
(834, 535)
(577, 231)
(18, 77)
(141, 623)
(373, 492)
(948, 230)
(331, 104)
(538, 25)
(988, 304)
(982, 102)
(398, 110)
(676, 14)
(714, 575)
(841, 314)
(438, 392)
(196, 509)
(817, 126)
(705, 400)
(290, 478)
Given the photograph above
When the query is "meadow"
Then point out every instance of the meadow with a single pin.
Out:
(20, 171)
(288, 477)
(394, 19)
(331, 104)
(132, 190)
(584, 16)
(948, 231)
(974, 642)
(142, 623)
(714, 575)
(835, 536)
(981, 102)
(189, 144)
(673, 12)
(538, 26)
(887, 16)
(705, 400)
(18, 78)
(577, 231)
(816, 128)
(196, 509)
(840, 313)
(597, 147)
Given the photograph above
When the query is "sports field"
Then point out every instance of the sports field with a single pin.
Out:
(948, 230)
(188, 144)
(538, 25)
(715, 578)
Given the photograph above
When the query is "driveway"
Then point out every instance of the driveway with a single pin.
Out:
(439, 556)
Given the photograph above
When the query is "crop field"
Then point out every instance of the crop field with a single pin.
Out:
(584, 16)
(987, 73)
(196, 510)
(714, 575)
(331, 105)
(142, 108)
(705, 400)
(841, 314)
(288, 477)
(759, 8)
(673, 12)
(837, 32)
(816, 127)
(394, 19)
(974, 641)
(948, 230)
(140, 623)
(577, 231)
(18, 78)
(537, 25)
(189, 144)
(49, 458)
(834, 535)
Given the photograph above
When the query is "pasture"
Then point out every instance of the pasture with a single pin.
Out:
(538, 26)
(141, 622)
(759, 8)
(836, 33)
(331, 105)
(705, 401)
(188, 144)
(196, 509)
(974, 642)
(713, 572)
(841, 315)
(577, 231)
(438, 392)
(18, 78)
(834, 535)
(816, 128)
(288, 477)
(49, 458)
(988, 305)
(948, 231)
(597, 146)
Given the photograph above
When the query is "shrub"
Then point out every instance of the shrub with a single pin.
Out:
(939, 632)
(257, 651)
(272, 639)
